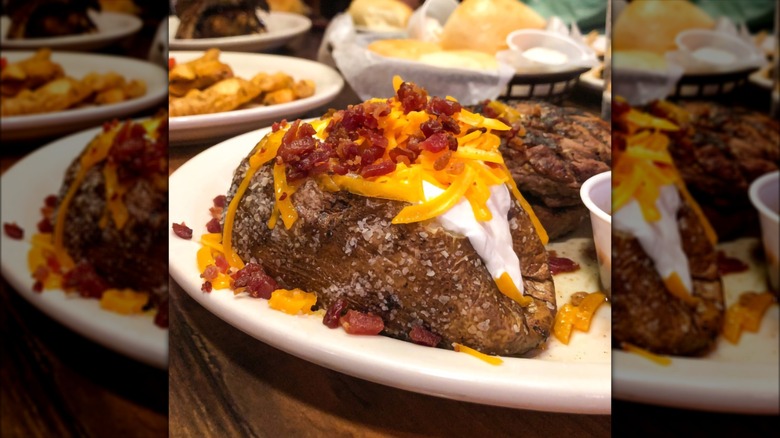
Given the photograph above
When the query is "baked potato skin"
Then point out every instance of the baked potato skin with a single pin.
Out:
(646, 315)
(343, 246)
(135, 256)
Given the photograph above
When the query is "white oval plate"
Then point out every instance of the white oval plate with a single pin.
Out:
(111, 27)
(574, 378)
(740, 378)
(77, 65)
(204, 127)
(282, 28)
(24, 187)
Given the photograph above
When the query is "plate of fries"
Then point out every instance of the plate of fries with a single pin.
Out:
(111, 27)
(216, 95)
(46, 93)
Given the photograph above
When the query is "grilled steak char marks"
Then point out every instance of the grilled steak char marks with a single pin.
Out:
(551, 151)
(645, 314)
(719, 151)
(343, 246)
(50, 18)
(134, 256)
(219, 18)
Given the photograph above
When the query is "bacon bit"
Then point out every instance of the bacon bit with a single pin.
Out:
(210, 273)
(85, 280)
(439, 106)
(213, 226)
(412, 97)
(53, 264)
(50, 201)
(257, 283)
(182, 231)
(730, 265)
(37, 286)
(421, 336)
(45, 226)
(378, 169)
(283, 196)
(441, 162)
(560, 265)
(279, 125)
(334, 313)
(359, 323)
(13, 231)
(221, 262)
(161, 319)
(438, 142)
(171, 63)
(41, 274)
(206, 287)
(220, 201)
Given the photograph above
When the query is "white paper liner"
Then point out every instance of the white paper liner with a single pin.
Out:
(371, 75)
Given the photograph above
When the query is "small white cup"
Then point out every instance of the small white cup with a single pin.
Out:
(596, 194)
(765, 196)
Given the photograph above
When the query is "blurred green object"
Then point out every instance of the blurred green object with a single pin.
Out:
(588, 14)
(756, 14)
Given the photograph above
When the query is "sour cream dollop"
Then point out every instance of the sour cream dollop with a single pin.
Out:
(492, 239)
(660, 239)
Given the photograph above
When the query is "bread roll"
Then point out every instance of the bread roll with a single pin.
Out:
(469, 59)
(403, 48)
(652, 25)
(484, 24)
(639, 60)
(380, 14)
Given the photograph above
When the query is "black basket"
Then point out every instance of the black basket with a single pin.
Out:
(552, 87)
(698, 86)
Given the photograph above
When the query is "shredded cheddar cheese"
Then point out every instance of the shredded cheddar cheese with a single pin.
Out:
(658, 359)
(492, 360)
(124, 301)
(646, 165)
(570, 316)
(292, 302)
(746, 315)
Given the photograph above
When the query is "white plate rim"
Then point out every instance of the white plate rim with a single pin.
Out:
(108, 31)
(264, 41)
(329, 84)
(156, 92)
(136, 336)
(700, 384)
(585, 391)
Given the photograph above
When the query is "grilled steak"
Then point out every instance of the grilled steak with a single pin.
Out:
(50, 18)
(551, 151)
(719, 151)
(219, 18)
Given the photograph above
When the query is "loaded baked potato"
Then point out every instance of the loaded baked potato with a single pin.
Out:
(667, 294)
(106, 230)
(361, 207)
